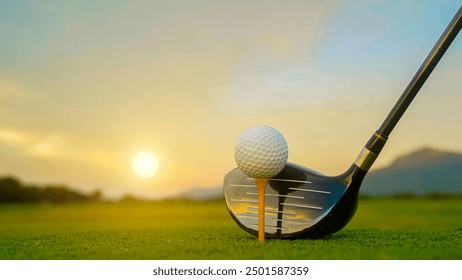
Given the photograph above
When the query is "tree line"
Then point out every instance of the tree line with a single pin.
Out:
(13, 190)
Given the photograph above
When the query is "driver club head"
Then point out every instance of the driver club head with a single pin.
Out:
(300, 202)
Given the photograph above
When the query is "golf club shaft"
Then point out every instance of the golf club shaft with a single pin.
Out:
(373, 147)
(422, 74)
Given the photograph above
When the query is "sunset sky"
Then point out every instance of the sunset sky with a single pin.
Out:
(86, 85)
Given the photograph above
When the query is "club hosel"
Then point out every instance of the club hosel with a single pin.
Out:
(371, 151)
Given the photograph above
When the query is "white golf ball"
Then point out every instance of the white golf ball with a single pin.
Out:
(261, 152)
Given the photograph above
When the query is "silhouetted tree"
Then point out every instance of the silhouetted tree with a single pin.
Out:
(13, 190)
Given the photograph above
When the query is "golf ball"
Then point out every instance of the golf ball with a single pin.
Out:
(261, 152)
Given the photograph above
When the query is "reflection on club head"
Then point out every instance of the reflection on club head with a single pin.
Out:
(297, 201)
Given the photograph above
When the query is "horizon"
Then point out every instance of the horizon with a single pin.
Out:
(189, 194)
(86, 87)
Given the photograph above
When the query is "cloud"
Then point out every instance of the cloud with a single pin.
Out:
(10, 136)
(37, 144)
(49, 146)
(390, 38)
(301, 89)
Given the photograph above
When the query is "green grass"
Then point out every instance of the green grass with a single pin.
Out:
(381, 229)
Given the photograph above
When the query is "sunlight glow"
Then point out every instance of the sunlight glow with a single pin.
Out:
(145, 164)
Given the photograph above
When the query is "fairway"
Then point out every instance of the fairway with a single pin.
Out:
(382, 229)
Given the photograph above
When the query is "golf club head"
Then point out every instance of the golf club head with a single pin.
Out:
(300, 202)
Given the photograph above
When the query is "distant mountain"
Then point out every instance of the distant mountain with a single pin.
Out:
(426, 171)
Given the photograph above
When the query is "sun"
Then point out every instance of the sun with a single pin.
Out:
(145, 164)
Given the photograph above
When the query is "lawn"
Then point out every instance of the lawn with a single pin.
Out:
(385, 228)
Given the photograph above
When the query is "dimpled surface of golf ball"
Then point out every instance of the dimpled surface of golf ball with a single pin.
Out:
(261, 152)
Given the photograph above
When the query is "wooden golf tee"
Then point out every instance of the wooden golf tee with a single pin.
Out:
(261, 187)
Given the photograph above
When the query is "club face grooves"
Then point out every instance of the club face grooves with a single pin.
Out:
(298, 200)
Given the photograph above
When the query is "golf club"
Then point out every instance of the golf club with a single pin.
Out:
(302, 203)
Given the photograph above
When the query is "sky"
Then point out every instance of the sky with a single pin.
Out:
(86, 85)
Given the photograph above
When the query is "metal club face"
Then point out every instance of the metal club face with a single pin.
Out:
(297, 200)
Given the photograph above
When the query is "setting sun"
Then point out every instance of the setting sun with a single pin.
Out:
(145, 164)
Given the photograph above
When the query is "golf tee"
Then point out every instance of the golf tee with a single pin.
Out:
(261, 187)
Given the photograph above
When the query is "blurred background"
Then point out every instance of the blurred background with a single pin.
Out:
(145, 99)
